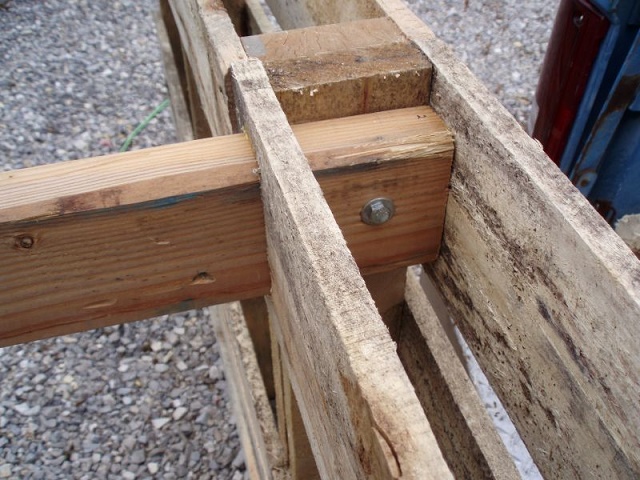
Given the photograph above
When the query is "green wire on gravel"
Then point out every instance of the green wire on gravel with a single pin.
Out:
(142, 125)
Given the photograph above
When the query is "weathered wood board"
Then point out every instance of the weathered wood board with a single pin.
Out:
(370, 424)
(545, 293)
(341, 70)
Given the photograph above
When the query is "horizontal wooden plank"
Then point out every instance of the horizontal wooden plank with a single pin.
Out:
(341, 70)
(358, 406)
(130, 236)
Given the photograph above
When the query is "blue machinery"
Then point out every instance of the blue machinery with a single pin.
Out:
(602, 153)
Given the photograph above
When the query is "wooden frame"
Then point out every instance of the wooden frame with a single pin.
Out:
(545, 293)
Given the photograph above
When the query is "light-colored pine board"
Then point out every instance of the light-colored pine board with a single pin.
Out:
(135, 235)
(545, 293)
(211, 45)
(173, 71)
(357, 404)
(264, 453)
(340, 70)
(466, 434)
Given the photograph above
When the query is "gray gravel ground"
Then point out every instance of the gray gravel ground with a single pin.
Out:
(148, 400)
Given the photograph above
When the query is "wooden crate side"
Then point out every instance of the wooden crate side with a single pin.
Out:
(370, 423)
(547, 294)
(210, 44)
(174, 71)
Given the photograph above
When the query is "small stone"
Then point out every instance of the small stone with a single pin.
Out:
(153, 468)
(179, 412)
(161, 367)
(138, 457)
(26, 410)
(156, 346)
(127, 475)
(158, 423)
(181, 366)
(129, 442)
(214, 373)
(238, 462)
(5, 471)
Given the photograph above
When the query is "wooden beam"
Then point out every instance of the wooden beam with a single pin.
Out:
(174, 70)
(342, 70)
(124, 237)
(211, 45)
(545, 293)
(466, 434)
(369, 423)
(264, 452)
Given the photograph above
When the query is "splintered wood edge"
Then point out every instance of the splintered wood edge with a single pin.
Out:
(317, 282)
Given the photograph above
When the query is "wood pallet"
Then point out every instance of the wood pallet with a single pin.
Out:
(336, 360)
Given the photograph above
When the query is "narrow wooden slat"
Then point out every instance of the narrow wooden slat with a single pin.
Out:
(211, 45)
(257, 319)
(357, 405)
(248, 17)
(174, 71)
(341, 70)
(96, 242)
(264, 453)
(459, 420)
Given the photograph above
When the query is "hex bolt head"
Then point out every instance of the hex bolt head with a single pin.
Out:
(378, 211)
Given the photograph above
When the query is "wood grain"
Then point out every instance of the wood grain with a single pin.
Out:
(135, 235)
(546, 294)
(211, 45)
(356, 403)
(264, 453)
(303, 13)
(174, 70)
(461, 423)
(340, 70)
